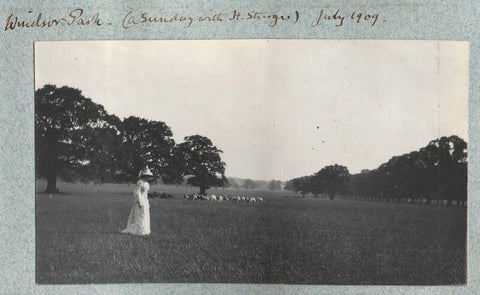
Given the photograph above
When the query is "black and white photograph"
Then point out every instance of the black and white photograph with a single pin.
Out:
(266, 161)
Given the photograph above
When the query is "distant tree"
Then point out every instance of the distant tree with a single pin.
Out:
(317, 185)
(435, 172)
(233, 184)
(360, 184)
(275, 185)
(68, 127)
(201, 162)
(289, 186)
(249, 184)
(398, 178)
(412, 176)
(445, 158)
(335, 178)
(302, 185)
(460, 183)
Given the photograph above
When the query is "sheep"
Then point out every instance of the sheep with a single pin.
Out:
(199, 197)
(190, 197)
(260, 199)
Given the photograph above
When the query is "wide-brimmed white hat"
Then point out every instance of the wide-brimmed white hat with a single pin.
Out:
(145, 172)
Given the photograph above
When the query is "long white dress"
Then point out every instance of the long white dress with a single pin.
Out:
(139, 219)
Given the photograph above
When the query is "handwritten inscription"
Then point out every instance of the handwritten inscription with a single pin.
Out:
(339, 18)
(74, 17)
(272, 18)
(132, 19)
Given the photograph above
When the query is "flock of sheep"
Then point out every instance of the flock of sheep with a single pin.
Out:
(221, 198)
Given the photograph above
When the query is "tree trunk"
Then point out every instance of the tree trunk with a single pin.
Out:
(203, 190)
(449, 202)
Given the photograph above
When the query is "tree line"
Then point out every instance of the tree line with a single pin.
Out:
(329, 181)
(249, 184)
(434, 173)
(75, 138)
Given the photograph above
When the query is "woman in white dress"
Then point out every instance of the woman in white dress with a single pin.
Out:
(139, 219)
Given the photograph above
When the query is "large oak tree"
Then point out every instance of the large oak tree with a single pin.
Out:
(67, 124)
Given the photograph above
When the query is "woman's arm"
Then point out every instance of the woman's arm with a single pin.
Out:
(137, 194)
(141, 193)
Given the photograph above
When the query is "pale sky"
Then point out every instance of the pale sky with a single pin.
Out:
(278, 109)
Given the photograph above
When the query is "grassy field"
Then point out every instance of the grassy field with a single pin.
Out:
(285, 240)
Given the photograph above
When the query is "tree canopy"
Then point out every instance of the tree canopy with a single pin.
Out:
(437, 171)
(201, 161)
(302, 185)
(68, 130)
(332, 179)
(275, 185)
(289, 186)
(76, 138)
(147, 143)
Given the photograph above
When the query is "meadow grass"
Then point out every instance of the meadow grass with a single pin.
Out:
(284, 240)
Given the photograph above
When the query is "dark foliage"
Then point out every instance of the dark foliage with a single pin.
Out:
(436, 172)
(73, 136)
(77, 139)
(147, 143)
(200, 161)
